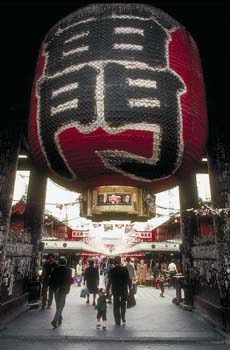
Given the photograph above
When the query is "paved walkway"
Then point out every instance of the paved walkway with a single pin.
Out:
(152, 319)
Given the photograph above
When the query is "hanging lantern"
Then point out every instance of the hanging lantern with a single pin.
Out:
(118, 99)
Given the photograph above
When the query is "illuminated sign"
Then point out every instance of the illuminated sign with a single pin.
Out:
(115, 199)
(123, 199)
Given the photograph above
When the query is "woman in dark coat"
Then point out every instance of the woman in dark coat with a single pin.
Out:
(91, 278)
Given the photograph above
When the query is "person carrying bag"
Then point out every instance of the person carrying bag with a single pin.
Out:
(131, 301)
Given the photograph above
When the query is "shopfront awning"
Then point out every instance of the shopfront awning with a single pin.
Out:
(73, 245)
(151, 247)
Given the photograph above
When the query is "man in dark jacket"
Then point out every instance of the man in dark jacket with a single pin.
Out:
(60, 281)
(118, 277)
(47, 269)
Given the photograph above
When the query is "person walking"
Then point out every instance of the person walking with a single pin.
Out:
(60, 281)
(91, 279)
(101, 309)
(131, 270)
(47, 269)
(79, 271)
(118, 279)
(161, 285)
(106, 274)
(172, 269)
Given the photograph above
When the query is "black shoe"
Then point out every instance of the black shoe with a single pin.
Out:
(48, 307)
(54, 324)
(117, 323)
(43, 307)
(123, 320)
(94, 303)
(59, 322)
(87, 301)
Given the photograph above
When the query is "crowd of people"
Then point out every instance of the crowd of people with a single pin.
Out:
(119, 280)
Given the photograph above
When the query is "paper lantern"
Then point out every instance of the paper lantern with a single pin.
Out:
(118, 99)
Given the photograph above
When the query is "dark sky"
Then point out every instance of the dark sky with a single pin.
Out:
(25, 23)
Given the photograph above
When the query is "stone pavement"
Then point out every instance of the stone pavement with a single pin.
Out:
(153, 319)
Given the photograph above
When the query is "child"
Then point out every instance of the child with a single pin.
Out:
(101, 309)
(161, 285)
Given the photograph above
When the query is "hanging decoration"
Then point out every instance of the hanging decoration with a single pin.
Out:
(118, 98)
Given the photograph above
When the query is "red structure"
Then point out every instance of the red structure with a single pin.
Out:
(205, 216)
(52, 227)
(171, 229)
(144, 236)
(78, 235)
(17, 216)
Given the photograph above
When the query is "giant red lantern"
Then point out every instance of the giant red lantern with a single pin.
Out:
(118, 99)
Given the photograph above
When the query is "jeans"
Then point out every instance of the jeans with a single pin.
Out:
(60, 303)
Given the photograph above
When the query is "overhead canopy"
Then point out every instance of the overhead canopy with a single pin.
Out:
(151, 247)
(73, 245)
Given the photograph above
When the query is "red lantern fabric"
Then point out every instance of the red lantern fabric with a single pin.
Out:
(118, 99)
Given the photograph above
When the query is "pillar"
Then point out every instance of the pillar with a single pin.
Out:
(9, 151)
(219, 172)
(189, 227)
(34, 219)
